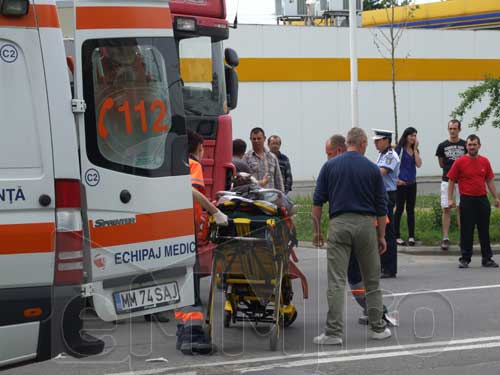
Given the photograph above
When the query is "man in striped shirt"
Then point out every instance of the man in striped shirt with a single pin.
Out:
(264, 166)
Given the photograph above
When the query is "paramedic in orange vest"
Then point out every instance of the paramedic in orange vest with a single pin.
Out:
(195, 149)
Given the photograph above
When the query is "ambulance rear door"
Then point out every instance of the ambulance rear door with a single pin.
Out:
(141, 246)
(27, 192)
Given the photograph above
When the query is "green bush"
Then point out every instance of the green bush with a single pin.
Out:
(437, 212)
(427, 216)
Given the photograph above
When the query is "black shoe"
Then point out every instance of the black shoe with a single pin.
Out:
(490, 263)
(411, 241)
(462, 263)
(388, 275)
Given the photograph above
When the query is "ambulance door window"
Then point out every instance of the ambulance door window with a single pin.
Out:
(129, 122)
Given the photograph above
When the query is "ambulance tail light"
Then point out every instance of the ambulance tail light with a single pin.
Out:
(69, 233)
(15, 8)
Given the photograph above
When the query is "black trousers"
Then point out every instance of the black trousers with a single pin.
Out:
(389, 260)
(406, 194)
(475, 211)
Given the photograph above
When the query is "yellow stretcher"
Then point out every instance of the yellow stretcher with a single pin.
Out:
(251, 263)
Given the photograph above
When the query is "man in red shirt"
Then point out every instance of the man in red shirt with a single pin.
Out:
(473, 173)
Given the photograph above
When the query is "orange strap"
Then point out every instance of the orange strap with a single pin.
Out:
(387, 221)
(197, 315)
(185, 316)
(358, 291)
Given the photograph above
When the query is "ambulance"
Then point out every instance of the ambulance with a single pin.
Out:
(95, 197)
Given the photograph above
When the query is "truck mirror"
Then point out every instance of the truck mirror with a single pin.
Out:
(231, 86)
(231, 57)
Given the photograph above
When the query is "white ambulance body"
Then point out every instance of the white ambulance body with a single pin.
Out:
(95, 196)
(133, 158)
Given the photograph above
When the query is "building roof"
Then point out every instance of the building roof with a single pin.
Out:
(451, 14)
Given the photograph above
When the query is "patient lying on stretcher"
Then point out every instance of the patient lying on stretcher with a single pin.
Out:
(245, 188)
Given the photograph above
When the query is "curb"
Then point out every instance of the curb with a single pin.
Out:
(418, 250)
(435, 251)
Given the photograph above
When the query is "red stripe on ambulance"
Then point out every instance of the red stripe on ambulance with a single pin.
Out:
(105, 17)
(148, 227)
(27, 238)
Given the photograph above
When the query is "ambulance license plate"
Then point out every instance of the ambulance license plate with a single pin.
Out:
(146, 298)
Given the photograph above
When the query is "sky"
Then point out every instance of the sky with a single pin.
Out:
(262, 11)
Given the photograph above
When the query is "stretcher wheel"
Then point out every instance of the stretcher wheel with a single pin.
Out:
(227, 319)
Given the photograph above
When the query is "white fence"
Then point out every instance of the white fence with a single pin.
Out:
(289, 97)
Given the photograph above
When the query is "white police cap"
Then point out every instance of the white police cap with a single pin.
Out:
(381, 134)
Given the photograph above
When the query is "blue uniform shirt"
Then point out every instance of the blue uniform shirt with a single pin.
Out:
(351, 184)
(390, 161)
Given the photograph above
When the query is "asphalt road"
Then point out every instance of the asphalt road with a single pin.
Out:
(449, 324)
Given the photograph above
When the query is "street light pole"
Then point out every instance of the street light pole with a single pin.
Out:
(354, 63)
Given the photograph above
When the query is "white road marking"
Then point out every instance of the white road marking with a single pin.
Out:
(401, 353)
(442, 290)
(338, 355)
(348, 355)
(156, 371)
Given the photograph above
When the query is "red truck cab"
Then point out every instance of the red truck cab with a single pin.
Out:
(209, 83)
(210, 91)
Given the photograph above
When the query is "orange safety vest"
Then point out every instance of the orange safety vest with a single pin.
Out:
(198, 183)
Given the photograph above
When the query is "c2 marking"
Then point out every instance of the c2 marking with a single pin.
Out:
(92, 177)
(8, 53)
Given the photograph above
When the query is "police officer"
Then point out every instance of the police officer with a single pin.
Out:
(388, 162)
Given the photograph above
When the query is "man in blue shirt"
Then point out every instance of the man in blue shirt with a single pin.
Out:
(353, 187)
(388, 162)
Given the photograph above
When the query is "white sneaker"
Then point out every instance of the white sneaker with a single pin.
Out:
(327, 340)
(385, 334)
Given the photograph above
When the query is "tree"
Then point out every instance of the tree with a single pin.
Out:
(387, 39)
(381, 4)
(490, 88)
(372, 5)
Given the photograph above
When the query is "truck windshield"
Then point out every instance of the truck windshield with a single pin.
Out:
(202, 73)
(129, 121)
